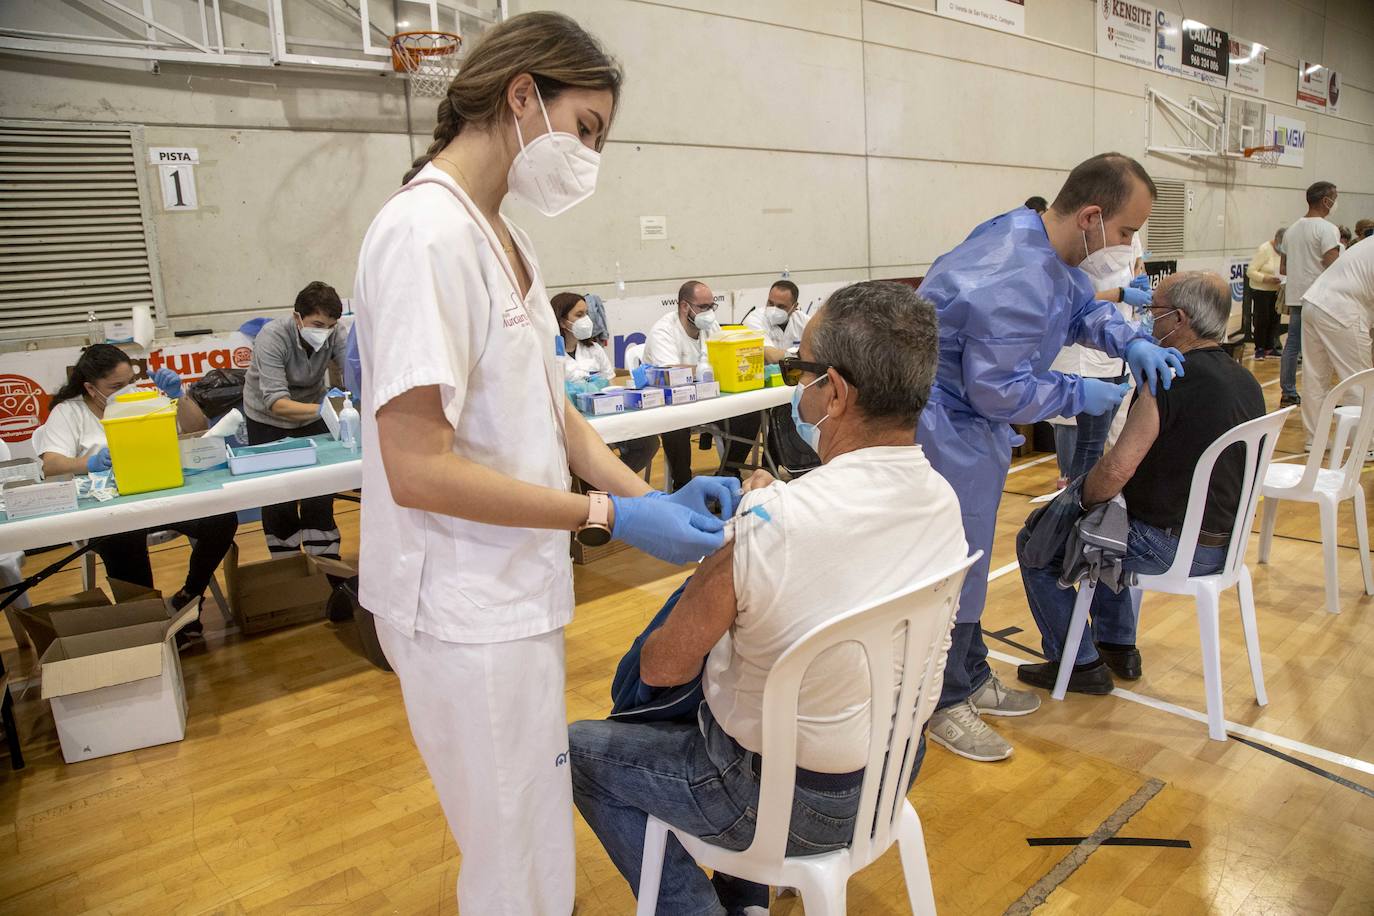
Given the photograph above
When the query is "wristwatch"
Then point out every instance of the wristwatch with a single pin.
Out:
(596, 530)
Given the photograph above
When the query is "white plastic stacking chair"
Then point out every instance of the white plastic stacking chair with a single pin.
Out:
(899, 707)
(1347, 418)
(1259, 437)
(1327, 487)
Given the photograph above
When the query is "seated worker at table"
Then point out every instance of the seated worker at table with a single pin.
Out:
(72, 441)
(676, 340)
(781, 321)
(873, 519)
(1151, 466)
(282, 393)
(587, 358)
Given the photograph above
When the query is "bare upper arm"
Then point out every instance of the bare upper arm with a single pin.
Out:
(1118, 465)
(1330, 257)
(674, 652)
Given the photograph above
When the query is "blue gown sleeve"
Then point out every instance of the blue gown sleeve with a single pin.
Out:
(1099, 325)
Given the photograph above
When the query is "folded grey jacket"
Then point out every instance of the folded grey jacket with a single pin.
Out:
(1087, 544)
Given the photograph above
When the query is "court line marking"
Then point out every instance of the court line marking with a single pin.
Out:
(1040, 891)
(1109, 841)
(1030, 464)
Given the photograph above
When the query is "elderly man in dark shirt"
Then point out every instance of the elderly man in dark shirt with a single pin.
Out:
(1151, 466)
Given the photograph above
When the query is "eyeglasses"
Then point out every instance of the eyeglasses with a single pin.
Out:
(792, 368)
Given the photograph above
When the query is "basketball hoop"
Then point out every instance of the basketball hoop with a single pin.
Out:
(1266, 156)
(429, 58)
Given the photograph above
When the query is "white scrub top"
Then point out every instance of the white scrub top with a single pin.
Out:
(71, 430)
(669, 344)
(437, 304)
(781, 337)
(591, 359)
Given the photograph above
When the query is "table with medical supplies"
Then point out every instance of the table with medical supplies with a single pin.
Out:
(217, 491)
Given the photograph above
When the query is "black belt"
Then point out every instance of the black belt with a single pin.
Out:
(1204, 538)
(810, 779)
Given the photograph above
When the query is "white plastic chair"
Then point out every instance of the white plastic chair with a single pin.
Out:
(1347, 418)
(1259, 437)
(898, 709)
(634, 356)
(1327, 487)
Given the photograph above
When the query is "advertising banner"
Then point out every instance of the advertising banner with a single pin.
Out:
(1247, 67)
(1006, 15)
(1190, 49)
(1319, 88)
(1291, 134)
(1126, 32)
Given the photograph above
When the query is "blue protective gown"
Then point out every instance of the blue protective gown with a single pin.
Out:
(1007, 305)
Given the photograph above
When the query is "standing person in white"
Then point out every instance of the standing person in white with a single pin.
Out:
(1338, 309)
(1310, 245)
(464, 557)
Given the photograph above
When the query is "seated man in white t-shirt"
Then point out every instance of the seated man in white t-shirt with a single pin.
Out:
(874, 518)
(781, 321)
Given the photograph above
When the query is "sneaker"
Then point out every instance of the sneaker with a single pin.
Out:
(1095, 681)
(994, 699)
(958, 728)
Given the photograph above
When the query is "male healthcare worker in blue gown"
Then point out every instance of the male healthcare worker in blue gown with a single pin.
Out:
(1009, 298)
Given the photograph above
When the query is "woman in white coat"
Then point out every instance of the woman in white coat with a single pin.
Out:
(464, 555)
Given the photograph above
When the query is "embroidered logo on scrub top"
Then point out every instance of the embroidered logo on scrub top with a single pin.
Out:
(515, 315)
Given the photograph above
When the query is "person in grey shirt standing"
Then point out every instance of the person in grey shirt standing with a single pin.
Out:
(1310, 245)
(282, 393)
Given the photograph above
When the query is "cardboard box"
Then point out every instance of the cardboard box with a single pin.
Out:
(669, 376)
(644, 398)
(27, 498)
(113, 678)
(202, 453)
(682, 394)
(21, 469)
(601, 402)
(707, 390)
(271, 594)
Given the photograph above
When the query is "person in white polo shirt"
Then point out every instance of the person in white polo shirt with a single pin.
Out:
(1310, 245)
(1339, 308)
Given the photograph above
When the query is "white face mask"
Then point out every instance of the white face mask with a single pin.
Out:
(316, 337)
(706, 320)
(106, 400)
(1333, 208)
(555, 171)
(776, 316)
(582, 328)
(1107, 260)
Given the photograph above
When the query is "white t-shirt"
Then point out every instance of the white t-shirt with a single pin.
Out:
(72, 431)
(437, 305)
(669, 344)
(590, 359)
(1345, 290)
(1304, 244)
(1077, 359)
(856, 529)
(781, 337)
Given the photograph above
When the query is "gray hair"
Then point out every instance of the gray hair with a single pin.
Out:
(1205, 299)
(881, 337)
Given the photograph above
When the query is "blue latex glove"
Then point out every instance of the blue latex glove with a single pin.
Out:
(724, 490)
(1100, 397)
(1150, 363)
(168, 382)
(664, 529)
(1141, 282)
(99, 462)
(1137, 298)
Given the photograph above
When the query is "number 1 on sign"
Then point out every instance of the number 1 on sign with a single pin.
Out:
(178, 187)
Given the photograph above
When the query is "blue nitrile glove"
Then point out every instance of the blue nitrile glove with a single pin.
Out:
(1137, 298)
(1141, 282)
(1017, 440)
(99, 462)
(665, 529)
(1100, 397)
(1151, 363)
(699, 490)
(168, 382)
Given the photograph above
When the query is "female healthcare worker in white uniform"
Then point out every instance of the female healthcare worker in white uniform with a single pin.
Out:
(464, 556)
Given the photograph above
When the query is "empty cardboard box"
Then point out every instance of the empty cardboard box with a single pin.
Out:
(271, 594)
(113, 678)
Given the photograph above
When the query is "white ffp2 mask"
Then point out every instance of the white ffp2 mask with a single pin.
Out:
(555, 171)
(316, 337)
(582, 328)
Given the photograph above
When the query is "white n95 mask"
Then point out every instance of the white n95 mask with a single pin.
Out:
(582, 328)
(316, 337)
(776, 317)
(1105, 263)
(555, 171)
(705, 321)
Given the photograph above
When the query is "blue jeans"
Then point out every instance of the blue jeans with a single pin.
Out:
(1292, 349)
(966, 665)
(1065, 445)
(1078, 447)
(697, 778)
(1149, 550)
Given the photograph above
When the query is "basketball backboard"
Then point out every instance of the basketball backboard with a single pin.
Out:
(1245, 124)
(354, 34)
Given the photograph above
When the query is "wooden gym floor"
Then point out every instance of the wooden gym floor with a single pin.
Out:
(298, 790)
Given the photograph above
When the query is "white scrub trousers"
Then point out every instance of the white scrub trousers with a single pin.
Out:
(490, 722)
(1331, 352)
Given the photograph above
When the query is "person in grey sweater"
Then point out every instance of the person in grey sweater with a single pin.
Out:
(286, 383)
